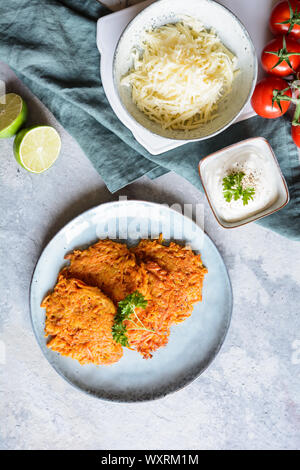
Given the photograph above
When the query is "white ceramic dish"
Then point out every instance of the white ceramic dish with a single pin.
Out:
(109, 30)
(192, 344)
(208, 164)
(233, 35)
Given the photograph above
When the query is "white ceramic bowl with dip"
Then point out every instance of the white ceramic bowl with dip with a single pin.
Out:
(256, 159)
(232, 34)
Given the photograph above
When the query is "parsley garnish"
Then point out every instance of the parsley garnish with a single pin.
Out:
(233, 188)
(126, 309)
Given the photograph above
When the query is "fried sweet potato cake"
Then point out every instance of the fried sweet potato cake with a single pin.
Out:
(149, 328)
(109, 266)
(169, 277)
(79, 319)
(185, 266)
(113, 268)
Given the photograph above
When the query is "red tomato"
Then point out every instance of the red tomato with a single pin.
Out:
(296, 135)
(283, 50)
(281, 13)
(263, 95)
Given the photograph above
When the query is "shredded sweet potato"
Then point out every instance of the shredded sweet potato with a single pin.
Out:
(79, 320)
(185, 267)
(109, 266)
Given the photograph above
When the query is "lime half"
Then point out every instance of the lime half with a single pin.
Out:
(37, 148)
(13, 113)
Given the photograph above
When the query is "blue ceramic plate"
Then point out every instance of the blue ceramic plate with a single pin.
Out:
(192, 344)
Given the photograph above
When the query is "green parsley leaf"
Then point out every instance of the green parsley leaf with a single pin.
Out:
(119, 333)
(248, 194)
(126, 308)
(233, 188)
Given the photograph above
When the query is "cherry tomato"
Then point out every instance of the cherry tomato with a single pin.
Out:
(262, 97)
(296, 135)
(282, 13)
(280, 56)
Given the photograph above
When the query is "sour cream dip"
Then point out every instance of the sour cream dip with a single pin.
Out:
(260, 175)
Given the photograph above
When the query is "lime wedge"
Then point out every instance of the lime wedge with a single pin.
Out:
(37, 148)
(13, 113)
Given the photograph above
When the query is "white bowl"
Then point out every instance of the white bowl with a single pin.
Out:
(260, 145)
(232, 34)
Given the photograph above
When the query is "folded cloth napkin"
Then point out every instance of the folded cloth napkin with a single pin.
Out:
(51, 46)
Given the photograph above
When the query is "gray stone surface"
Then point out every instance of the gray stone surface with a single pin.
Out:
(249, 396)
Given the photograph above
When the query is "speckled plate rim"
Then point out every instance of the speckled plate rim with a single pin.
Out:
(174, 388)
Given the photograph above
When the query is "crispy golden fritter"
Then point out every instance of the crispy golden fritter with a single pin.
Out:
(109, 266)
(149, 329)
(79, 319)
(185, 266)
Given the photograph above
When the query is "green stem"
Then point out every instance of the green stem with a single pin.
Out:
(283, 55)
(286, 54)
(139, 328)
(293, 20)
(297, 115)
(138, 318)
(289, 98)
